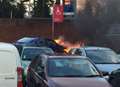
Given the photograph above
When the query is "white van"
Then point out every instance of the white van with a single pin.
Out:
(10, 66)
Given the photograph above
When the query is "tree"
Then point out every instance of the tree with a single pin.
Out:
(5, 9)
(20, 10)
(11, 8)
(41, 9)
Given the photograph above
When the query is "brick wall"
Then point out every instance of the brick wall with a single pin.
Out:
(11, 30)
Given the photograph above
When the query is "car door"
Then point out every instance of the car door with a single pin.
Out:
(8, 73)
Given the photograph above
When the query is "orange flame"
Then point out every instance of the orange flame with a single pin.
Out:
(68, 45)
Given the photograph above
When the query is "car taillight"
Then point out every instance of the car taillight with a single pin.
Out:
(19, 72)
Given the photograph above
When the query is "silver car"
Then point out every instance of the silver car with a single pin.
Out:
(104, 58)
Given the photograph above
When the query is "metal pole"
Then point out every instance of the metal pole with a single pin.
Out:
(29, 7)
(11, 14)
(53, 25)
(53, 29)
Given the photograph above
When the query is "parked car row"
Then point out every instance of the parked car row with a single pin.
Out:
(41, 66)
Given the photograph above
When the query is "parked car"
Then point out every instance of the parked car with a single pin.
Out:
(10, 66)
(119, 56)
(64, 71)
(28, 54)
(104, 58)
(115, 78)
(40, 42)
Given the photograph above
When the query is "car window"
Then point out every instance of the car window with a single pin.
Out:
(70, 68)
(102, 56)
(29, 54)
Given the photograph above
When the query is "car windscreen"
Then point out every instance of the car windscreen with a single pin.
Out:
(29, 54)
(70, 67)
(102, 56)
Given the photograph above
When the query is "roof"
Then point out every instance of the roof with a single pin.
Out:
(36, 47)
(27, 39)
(7, 46)
(67, 56)
(94, 48)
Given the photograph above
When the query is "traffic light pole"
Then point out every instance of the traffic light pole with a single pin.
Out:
(57, 16)
(53, 27)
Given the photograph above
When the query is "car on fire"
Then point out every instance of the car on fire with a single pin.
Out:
(64, 71)
(40, 42)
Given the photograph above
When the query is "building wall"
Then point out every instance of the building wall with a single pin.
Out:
(11, 30)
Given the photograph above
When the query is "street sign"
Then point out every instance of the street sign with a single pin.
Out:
(58, 13)
(69, 7)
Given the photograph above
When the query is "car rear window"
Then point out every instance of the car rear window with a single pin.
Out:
(29, 54)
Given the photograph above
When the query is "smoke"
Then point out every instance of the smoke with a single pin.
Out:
(67, 44)
(87, 21)
(85, 25)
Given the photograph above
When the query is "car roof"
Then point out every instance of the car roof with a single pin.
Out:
(27, 39)
(36, 47)
(7, 46)
(66, 56)
(27, 46)
(93, 48)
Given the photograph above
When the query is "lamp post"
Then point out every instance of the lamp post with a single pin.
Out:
(11, 14)
(57, 16)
